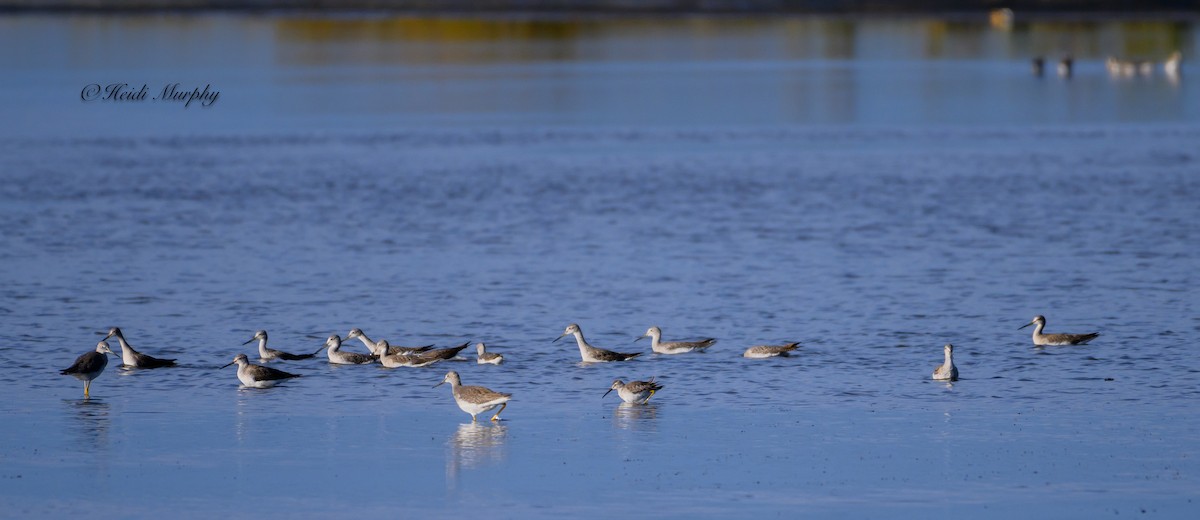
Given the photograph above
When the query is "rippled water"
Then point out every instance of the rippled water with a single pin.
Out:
(874, 189)
(873, 248)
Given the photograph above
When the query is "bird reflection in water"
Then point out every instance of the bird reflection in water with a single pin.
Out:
(641, 417)
(474, 445)
(90, 422)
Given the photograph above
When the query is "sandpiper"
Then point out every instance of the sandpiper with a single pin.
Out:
(419, 359)
(258, 376)
(947, 371)
(483, 357)
(766, 351)
(133, 358)
(344, 358)
(636, 392)
(374, 346)
(592, 354)
(89, 366)
(268, 354)
(475, 399)
(1056, 339)
(673, 347)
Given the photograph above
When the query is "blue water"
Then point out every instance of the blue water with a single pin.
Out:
(872, 244)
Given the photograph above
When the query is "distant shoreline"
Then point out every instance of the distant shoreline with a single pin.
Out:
(953, 9)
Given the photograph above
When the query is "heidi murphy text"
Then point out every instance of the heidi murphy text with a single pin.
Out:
(170, 93)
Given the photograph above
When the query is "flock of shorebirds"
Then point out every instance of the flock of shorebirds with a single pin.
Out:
(475, 400)
(1116, 67)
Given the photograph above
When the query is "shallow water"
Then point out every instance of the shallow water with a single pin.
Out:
(874, 246)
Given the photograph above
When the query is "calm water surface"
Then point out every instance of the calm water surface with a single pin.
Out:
(874, 241)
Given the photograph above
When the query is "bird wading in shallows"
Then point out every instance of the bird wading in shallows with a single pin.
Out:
(133, 358)
(475, 399)
(636, 392)
(258, 376)
(89, 366)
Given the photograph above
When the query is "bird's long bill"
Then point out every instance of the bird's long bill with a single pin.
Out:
(606, 393)
(320, 349)
(639, 338)
(230, 363)
(249, 340)
(107, 334)
(440, 384)
(558, 338)
(1025, 325)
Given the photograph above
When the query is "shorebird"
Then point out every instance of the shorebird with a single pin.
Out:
(344, 358)
(1056, 339)
(673, 347)
(89, 366)
(258, 376)
(1066, 66)
(419, 359)
(268, 354)
(475, 399)
(636, 392)
(1171, 67)
(766, 351)
(133, 358)
(483, 357)
(947, 371)
(1039, 66)
(376, 349)
(592, 354)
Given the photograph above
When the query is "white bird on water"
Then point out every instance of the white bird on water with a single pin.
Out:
(89, 366)
(258, 376)
(1056, 339)
(483, 357)
(592, 354)
(337, 357)
(635, 392)
(418, 359)
(267, 354)
(946, 371)
(378, 350)
(133, 358)
(475, 399)
(673, 347)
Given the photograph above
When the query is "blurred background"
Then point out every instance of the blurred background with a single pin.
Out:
(280, 67)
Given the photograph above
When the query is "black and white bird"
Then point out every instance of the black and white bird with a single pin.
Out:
(89, 366)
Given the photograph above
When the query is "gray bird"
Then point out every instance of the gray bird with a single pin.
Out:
(89, 366)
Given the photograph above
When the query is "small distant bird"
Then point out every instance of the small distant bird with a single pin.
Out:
(673, 347)
(89, 366)
(1056, 339)
(475, 399)
(636, 392)
(258, 376)
(766, 351)
(133, 358)
(947, 371)
(592, 354)
(337, 357)
(1039, 66)
(483, 357)
(1172, 67)
(1066, 66)
(268, 354)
